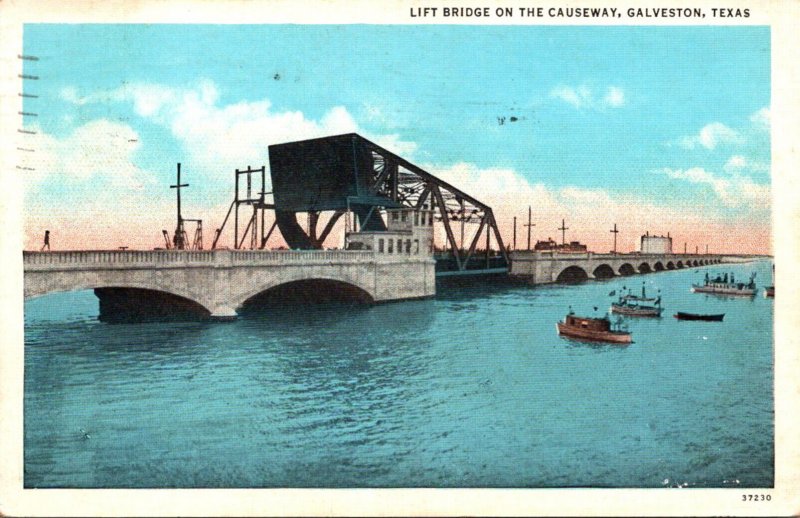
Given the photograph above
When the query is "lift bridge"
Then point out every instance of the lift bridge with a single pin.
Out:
(348, 175)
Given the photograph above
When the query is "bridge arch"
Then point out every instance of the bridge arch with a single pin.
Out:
(572, 275)
(658, 267)
(670, 265)
(603, 271)
(679, 264)
(121, 304)
(305, 290)
(133, 301)
(35, 290)
(645, 268)
(627, 269)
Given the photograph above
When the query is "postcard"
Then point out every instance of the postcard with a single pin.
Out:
(407, 258)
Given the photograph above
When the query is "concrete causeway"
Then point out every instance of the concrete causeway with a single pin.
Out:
(222, 280)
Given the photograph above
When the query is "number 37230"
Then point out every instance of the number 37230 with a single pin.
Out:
(756, 498)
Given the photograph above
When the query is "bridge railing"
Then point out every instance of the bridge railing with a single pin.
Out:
(102, 257)
(301, 256)
(539, 254)
(186, 258)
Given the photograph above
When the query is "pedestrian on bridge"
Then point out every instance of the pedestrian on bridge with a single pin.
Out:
(46, 241)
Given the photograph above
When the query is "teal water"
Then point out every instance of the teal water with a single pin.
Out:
(472, 389)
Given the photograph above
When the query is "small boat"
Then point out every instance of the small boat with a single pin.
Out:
(592, 329)
(721, 286)
(636, 306)
(694, 316)
(769, 291)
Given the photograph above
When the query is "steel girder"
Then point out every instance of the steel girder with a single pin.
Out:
(380, 179)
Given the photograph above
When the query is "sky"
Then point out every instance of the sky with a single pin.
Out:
(656, 129)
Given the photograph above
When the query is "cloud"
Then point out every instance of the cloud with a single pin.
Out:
(382, 113)
(761, 119)
(738, 163)
(394, 143)
(614, 97)
(593, 196)
(487, 182)
(578, 97)
(590, 212)
(148, 98)
(712, 135)
(715, 134)
(70, 94)
(735, 163)
(99, 148)
(584, 97)
(734, 192)
(220, 137)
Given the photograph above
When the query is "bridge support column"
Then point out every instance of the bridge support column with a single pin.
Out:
(219, 292)
(224, 314)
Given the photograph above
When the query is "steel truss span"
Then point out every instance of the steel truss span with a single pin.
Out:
(349, 174)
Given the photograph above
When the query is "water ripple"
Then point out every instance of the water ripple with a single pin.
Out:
(471, 389)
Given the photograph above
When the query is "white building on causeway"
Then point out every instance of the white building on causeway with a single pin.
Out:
(409, 231)
(656, 244)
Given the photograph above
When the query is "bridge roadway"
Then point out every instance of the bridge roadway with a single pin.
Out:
(537, 267)
(221, 281)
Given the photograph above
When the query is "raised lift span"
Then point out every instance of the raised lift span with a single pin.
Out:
(349, 174)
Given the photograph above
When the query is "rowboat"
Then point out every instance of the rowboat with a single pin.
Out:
(693, 316)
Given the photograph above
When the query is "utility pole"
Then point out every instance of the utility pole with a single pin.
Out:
(615, 232)
(529, 225)
(179, 231)
(515, 234)
(563, 230)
